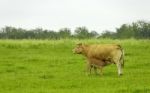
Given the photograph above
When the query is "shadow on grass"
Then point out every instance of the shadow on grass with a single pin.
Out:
(133, 91)
(46, 77)
(9, 64)
(21, 68)
(104, 75)
(10, 70)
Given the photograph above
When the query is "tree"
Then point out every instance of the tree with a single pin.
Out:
(65, 33)
(125, 31)
(82, 33)
(139, 29)
(93, 34)
(144, 29)
(108, 34)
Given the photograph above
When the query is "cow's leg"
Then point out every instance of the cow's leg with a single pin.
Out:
(119, 67)
(118, 62)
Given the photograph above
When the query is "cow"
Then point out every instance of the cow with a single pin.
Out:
(100, 55)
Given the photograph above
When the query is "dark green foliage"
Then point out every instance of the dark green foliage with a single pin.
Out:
(81, 33)
(38, 33)
(108, 34)
(64, 33)
(137, 30)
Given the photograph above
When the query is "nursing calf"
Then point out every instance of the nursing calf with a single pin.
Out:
(100, 55)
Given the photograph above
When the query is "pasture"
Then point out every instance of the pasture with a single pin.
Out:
(49, 66)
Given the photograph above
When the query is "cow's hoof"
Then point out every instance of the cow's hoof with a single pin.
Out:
(120, 74)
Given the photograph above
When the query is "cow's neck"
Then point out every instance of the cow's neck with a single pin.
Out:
(85, 48)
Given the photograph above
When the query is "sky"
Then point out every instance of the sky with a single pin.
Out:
(98, 15)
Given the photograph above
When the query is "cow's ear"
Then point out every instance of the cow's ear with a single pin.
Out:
(79, 44)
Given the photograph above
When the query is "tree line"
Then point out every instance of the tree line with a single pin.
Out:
(9, 32)
(137, 30)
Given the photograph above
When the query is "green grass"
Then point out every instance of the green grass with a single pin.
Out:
(49, 66)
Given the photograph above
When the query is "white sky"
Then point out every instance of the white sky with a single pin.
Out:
(96, 15)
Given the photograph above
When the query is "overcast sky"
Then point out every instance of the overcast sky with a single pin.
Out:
(96, 15)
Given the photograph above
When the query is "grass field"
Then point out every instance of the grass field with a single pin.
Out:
(49, 66)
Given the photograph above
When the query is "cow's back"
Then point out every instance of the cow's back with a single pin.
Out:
(102, 51)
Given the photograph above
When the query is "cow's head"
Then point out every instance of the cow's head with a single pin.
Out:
(78, 49)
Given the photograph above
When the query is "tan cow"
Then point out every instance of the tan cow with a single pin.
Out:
(100, 55)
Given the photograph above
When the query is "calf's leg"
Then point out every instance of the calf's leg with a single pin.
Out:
(101, 70)
(95, 70)
(89, 68)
